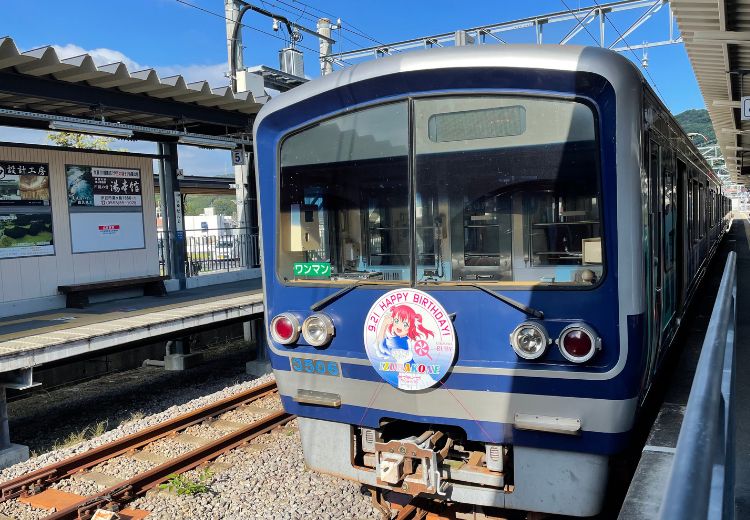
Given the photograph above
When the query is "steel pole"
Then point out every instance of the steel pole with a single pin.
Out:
(324, 30)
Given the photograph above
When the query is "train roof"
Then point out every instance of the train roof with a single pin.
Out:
(618, 70)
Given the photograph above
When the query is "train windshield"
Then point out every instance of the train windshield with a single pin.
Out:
(503, 190)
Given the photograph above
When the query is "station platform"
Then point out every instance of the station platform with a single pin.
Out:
(45, 337)
(57, 336)
(650, 479)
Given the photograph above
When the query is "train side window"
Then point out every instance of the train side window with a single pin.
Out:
(702, 210)
(690, 210)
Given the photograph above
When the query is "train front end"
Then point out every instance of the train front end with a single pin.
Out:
(449, 271)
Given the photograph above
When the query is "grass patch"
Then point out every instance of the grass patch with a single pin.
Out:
(73, 438)
(135, 416)
(184, 485)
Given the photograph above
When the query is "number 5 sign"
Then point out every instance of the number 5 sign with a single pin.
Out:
(238, 157)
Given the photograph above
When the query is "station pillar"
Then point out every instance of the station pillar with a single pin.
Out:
(173, 211)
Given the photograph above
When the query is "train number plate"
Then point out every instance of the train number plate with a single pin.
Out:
(315, 366)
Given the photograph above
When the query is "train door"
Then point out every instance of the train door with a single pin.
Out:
(653, 255)
(680, 212)
(669, 240)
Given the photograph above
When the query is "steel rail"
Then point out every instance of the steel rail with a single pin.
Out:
(701, 482)
(35, 481)
(141, 483)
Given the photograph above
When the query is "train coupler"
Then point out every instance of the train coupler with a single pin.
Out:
(412, 465)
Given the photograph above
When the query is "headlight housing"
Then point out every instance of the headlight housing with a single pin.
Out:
(285, 328)
(529, 340)
(579, 342)
(318, 330)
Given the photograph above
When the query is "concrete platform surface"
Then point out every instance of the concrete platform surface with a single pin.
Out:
(649, 482)
(44, 337)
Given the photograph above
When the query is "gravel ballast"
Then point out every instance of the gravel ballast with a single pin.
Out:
(266, 479)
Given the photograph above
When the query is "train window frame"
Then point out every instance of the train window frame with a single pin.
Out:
(318, 282)
(602, 197)
(410, 99)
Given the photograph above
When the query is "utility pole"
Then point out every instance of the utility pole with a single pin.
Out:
(245, 215)
(234, 40)
(324, 30)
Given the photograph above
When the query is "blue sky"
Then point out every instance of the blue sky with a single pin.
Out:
(175, 38)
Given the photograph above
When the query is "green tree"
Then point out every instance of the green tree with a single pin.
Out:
(224, 206)
(698, 121)
(73, 140)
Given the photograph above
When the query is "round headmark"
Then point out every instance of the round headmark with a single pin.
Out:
(409, 339)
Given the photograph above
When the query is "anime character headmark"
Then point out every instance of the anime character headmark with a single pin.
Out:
(397, 332)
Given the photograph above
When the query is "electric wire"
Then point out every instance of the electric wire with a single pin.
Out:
(311, 18)
(218, 15)
(354, 29)
(637, 59)
(580, 21)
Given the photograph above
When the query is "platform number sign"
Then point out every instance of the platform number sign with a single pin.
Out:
(745, 105)
(238, 157)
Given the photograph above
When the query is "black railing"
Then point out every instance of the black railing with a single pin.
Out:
(212, 250)
(701, 483)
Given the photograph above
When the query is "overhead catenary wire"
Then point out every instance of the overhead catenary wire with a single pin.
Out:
(637, 59)
(218, 15)
(311, 18)
(354, 29)
(581, 21)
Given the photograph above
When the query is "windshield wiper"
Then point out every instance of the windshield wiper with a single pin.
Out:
(318, 305)
(529, 311)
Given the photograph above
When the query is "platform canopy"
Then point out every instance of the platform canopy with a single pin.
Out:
(717, 39)
(40, 90)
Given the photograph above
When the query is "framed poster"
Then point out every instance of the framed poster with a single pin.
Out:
(106, 208)
(25, 234)
(111, 231)
(103, 187)
(24, 184)
(25, 212)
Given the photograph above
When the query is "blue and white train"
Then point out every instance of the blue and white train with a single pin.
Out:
(474, 261)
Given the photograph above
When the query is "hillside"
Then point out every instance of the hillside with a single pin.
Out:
(696, 121)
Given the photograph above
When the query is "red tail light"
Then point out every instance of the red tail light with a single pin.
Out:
(578, 343)
(285, 328)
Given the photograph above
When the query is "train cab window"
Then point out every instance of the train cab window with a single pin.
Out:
(510, 188)
(344, 199)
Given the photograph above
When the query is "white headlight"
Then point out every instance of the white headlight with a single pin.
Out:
(317, 330)
(529, 340)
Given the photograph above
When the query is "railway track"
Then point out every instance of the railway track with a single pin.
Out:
(114, 496)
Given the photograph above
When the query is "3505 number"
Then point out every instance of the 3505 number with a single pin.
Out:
(315, 366)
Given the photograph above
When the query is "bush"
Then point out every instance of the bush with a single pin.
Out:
(36, 227)
(16, 231)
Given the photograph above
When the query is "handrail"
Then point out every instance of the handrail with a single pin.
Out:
(701, 483)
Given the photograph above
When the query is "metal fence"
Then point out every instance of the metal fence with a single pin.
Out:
(213, 250)
(701, 483)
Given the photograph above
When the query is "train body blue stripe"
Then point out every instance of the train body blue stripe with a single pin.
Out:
(485, 431)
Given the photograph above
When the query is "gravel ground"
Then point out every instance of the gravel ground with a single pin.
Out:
(46, 420)
(268, 483)
(18, 511)
(267, 479)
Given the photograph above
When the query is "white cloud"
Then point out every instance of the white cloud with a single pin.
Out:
(214, 74)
